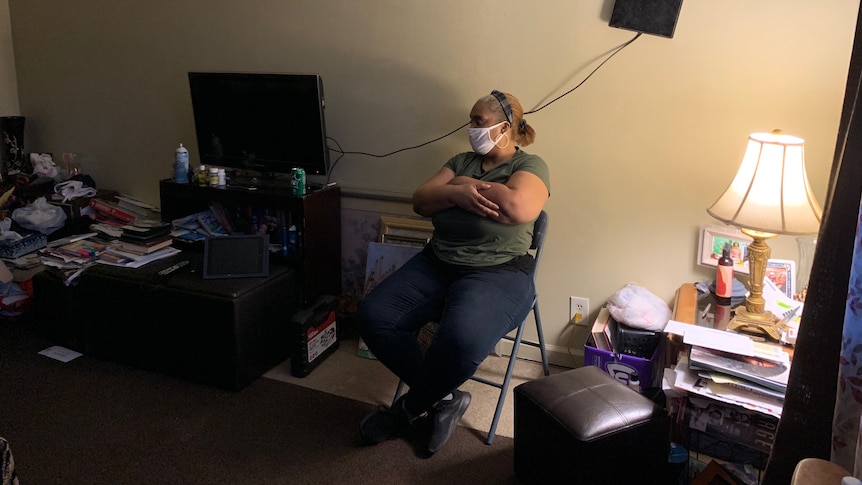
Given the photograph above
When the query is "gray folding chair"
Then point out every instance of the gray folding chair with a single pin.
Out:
(540, 228)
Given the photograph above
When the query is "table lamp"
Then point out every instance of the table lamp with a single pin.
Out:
(769, 196)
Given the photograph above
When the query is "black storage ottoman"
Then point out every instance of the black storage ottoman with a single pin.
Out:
(583, 427)
(223, 332)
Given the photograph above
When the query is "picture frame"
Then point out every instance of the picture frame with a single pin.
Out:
(782, 272)
(714, 474)
(405, 231)
(713, 238)
(383, 260)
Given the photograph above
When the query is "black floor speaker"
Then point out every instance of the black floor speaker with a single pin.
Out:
(656, 17)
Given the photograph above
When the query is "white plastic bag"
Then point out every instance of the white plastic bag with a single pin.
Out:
(40, 216)
(637, 307)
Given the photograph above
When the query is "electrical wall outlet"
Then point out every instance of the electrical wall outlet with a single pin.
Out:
(579, 310)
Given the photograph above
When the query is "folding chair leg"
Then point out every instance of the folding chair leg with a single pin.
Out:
(505, 384)
(541, 335)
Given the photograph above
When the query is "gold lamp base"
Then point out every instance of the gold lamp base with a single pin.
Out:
(753, 318)
(763, 324)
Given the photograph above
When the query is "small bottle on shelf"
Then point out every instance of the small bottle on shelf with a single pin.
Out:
(634, 382)
(724, 278)
(292, 240)
(202, 176)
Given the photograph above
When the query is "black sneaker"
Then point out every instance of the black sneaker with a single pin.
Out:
(445, 416)
(386, 423)
(380, 425)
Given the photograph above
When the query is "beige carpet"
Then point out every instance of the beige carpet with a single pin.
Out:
(346, 374)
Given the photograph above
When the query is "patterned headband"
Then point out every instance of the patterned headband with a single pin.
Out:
(507, 109)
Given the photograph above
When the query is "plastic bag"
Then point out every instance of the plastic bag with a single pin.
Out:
(43, 165)
(637, 307)
(40, 216)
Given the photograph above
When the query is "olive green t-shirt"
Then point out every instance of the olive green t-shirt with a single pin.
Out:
(463, 238)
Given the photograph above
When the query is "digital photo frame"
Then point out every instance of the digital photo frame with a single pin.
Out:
(236, 256)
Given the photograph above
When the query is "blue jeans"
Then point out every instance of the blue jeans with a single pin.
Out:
(474, 309)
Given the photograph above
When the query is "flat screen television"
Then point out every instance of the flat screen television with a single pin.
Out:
(262, 122)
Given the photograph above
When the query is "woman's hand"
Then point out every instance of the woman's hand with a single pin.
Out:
(469, 196)
(444, 191)
(517, 201)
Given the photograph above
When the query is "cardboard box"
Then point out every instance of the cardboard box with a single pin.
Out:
(622, 366)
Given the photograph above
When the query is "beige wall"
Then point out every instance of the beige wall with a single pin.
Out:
(637, 153)
(8, 86)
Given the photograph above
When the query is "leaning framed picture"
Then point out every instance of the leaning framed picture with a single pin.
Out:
(405, 231)
(782, 272)
(713, 239)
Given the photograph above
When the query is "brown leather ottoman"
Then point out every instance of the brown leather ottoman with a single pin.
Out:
(583, 427)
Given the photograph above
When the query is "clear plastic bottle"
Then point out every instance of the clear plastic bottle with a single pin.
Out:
(181, 165)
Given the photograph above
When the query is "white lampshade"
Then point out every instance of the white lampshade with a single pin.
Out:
(770, 192)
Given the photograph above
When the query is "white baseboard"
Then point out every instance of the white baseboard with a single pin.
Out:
(557, 355)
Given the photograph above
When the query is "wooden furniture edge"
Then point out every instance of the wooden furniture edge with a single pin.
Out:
(684, 311)
(685, 304)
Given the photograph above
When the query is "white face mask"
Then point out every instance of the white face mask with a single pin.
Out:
(480, 139)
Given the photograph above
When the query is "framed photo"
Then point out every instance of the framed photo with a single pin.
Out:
(714, 474)
(405, 231)
(383, 260)
(715, 238)
(782, 273)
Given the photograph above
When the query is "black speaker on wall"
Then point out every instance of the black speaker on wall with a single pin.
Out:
(656, 17)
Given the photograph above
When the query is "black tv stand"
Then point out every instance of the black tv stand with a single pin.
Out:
(317, 215)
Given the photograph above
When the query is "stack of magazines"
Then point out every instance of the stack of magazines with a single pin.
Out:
(731, 368)
(766, 375)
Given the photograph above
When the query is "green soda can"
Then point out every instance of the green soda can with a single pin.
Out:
(297, 181)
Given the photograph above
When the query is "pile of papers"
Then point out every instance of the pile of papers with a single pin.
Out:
(72, 255)
(198, 226)
(730, 368)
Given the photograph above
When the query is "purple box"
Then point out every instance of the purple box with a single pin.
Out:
(621, 366)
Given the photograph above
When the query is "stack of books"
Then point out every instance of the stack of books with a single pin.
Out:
(144, 236)
(78, 252)
(72, 255)
(109, 213)
(138, 208)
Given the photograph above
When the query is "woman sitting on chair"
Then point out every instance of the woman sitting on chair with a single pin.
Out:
(473, 277)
